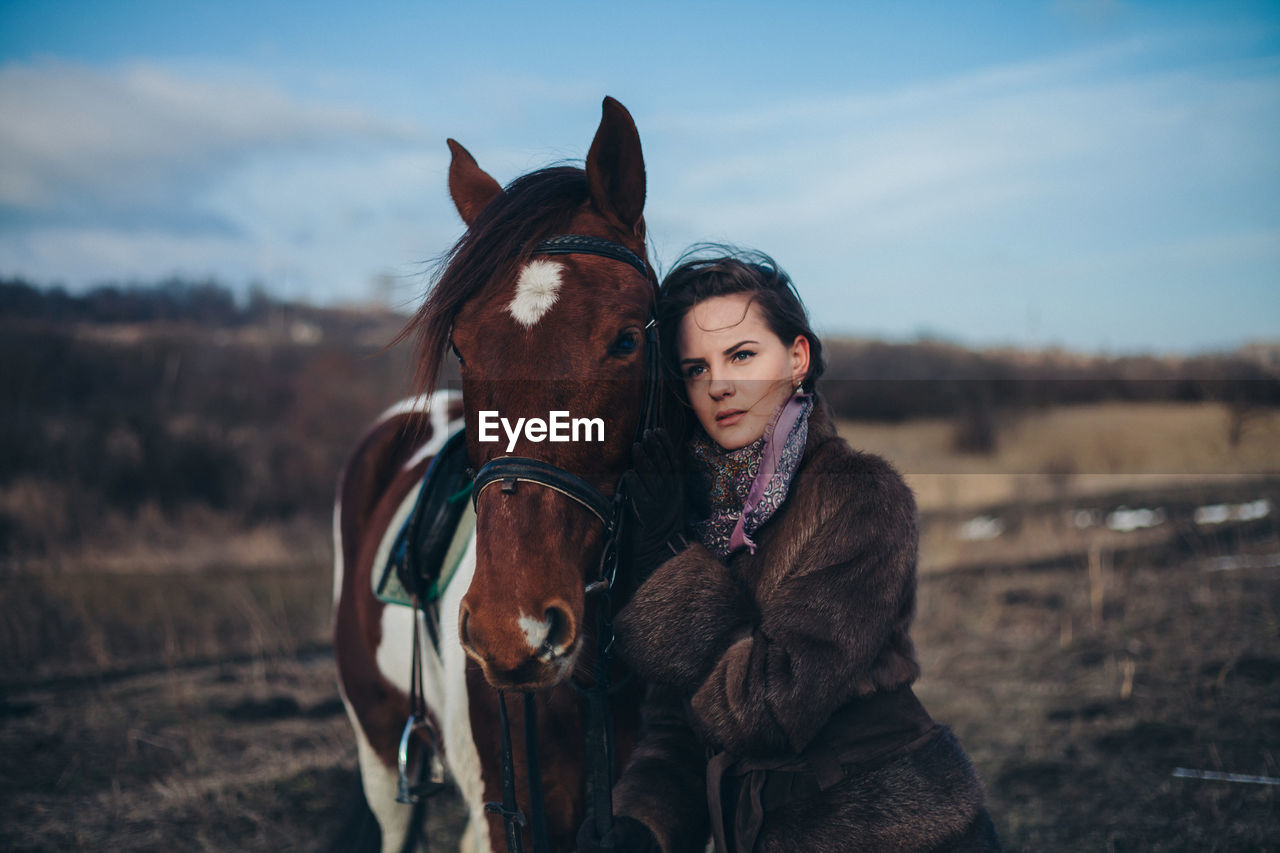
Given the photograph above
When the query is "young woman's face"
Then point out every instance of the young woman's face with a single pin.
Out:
(736, 370)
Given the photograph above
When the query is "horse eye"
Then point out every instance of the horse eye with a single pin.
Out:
(454, 347)
(625, 344)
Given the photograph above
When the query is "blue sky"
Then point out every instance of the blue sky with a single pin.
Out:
(1095, 174)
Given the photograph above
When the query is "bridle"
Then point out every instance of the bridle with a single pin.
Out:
(511, 470)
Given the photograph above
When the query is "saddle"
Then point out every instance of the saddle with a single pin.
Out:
(433, 538)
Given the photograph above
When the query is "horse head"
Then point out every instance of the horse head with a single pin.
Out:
(551, 337)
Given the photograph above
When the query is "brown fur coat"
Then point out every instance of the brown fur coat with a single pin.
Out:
(752, 659)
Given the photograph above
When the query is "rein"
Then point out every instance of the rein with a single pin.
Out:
(511, 470)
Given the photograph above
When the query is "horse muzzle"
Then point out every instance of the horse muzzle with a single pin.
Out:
(522, 652)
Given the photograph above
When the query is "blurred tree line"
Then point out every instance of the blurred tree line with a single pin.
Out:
(892, 382)
(203, 305)
(178, 394)
(175, 299)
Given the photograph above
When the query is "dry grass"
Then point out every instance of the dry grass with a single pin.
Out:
(187, 539)
(76, 624)
(1077, 687)
(1080, 450)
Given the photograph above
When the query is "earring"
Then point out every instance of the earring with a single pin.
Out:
(799, 385)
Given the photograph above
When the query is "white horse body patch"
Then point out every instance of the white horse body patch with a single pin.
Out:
(444, 685)
(536, 291)
(443, 674)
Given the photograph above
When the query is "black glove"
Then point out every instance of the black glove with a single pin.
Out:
(627, 836)
(655, 491)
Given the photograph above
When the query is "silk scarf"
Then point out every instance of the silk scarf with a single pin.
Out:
(744, 487)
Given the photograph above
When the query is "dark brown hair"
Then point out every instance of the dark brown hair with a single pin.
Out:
(712, 269)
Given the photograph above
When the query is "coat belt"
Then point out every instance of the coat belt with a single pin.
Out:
(861, 735)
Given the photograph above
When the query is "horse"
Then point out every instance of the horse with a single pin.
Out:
(541, 323)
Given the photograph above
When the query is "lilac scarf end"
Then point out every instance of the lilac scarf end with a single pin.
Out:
(776, 436)
(739, 539)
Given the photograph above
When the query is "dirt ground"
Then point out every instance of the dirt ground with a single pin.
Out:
(1076, 698)
(1076, 725)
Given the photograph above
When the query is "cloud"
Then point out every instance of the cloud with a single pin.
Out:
(139, 146)
(140, 171)
(999, 182)
(982, 134)
(145, 170)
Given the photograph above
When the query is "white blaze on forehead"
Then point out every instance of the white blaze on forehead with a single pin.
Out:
(535, 631)
(536, 291)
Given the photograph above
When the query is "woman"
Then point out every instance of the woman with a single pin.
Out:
(780, 715)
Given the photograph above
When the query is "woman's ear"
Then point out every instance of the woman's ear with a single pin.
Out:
(799, 359)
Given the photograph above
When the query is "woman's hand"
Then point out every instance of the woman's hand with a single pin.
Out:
(627, 836)
(655, 491)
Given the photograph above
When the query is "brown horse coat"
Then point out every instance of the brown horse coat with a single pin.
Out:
(796, 658)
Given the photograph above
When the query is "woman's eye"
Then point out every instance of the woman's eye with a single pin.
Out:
(745, 353)
(693, 371)
(625, 344)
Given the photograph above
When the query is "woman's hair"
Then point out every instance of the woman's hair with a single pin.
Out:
(711, 269)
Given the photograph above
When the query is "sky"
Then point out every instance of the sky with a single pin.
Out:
(1098, 175)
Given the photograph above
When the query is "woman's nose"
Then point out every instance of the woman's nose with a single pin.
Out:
(719, 387)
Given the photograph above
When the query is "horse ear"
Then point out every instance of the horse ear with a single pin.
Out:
(615, 167)
(471, 187)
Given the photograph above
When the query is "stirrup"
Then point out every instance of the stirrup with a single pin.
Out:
(407, 791)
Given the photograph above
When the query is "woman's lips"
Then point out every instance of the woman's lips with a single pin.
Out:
(729, 419)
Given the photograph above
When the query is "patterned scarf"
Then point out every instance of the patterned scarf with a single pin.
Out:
(745, 487)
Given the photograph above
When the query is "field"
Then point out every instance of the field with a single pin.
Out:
(1099, 606)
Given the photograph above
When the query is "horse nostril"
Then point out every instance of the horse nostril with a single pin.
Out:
(462, 627)
(559, 627)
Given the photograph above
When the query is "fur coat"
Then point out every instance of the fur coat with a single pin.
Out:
(792, 660)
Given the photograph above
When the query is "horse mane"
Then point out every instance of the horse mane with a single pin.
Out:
(531, 208)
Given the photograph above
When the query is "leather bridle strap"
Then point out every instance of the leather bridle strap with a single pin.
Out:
(511, 469)
(582, 244)
(507, 809)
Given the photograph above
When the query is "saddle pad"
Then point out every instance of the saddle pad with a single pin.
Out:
(430, 531)
(391, 591)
